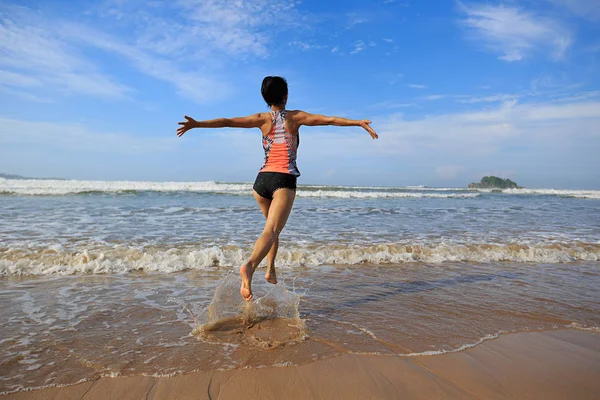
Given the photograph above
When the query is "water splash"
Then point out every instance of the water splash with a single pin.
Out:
(270, 321)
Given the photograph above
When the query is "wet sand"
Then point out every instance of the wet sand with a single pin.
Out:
(561, 364)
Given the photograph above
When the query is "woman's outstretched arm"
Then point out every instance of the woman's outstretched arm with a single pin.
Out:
(252, 121)
(308, 119)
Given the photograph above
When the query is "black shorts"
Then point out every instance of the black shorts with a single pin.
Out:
(268, 183)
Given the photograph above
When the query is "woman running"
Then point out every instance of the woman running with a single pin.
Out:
(275, 186)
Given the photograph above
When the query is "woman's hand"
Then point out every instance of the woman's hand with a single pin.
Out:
(365, 125)
(189, 123)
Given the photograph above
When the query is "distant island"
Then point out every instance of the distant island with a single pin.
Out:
(493, 182)
(12, 176)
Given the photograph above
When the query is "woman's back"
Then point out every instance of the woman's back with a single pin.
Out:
(280, 145)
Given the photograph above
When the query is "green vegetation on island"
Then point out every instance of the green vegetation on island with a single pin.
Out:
(493, 182)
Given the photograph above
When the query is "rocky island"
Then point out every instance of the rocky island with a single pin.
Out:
(493, 182)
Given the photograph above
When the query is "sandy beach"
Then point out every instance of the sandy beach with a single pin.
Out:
(562, 364)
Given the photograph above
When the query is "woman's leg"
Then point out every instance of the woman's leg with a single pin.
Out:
(270, 275)
(279, 211)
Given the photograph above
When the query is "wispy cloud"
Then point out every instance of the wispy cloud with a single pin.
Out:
(488, 99)
(578, 97)
(355, 19)
(33, 53)
(24, 95)
(304, 46)
(178, 42)
(392, 104)
(489, 130)
(589, 9)
(433, 97)
(359, 46)
(78, 137)
(513, 32)
(17, 79)
(200, 27)
(416, 86)
(189, 83)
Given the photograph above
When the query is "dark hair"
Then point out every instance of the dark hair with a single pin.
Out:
(274, 89)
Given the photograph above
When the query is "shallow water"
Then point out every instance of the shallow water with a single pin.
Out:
(65, 329)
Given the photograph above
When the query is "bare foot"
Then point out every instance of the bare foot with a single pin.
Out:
(246, 274)
(270, 276)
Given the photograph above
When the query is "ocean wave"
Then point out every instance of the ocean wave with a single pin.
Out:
(346, 194)
(108, 260)
(583, 194)
(32, 187)
(36, 187)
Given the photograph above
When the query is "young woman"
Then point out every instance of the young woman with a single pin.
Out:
(275, 186)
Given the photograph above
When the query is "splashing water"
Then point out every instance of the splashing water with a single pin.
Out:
(270, 321)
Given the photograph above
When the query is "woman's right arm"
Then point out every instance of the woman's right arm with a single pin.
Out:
(304, 118)
(251, 121)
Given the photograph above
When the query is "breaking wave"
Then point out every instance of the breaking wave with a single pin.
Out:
(106, 260)
(35, 187)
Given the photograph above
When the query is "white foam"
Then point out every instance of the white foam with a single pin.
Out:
(347, 194)
(580, 327)
(33, 187)
(64, 187)
(107, 260)
(37, 187)
(456, 350)
(586, 194)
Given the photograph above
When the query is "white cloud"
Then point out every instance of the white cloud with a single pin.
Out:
(242, 28)
(306, 46)
(392, 104)
(388, 40)
(32, 53)
(335, 49)
(78, 137)
(589, 9)
(513, 32)
(15, 79)
(359, 46)
(488, 99)
(578, 96)
(189, 83)
(355, 19)
(24, 95)
(416, 86)
(480, 132)
(433, 97)
(177, 42)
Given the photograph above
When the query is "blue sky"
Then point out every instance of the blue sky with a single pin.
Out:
(456, 90)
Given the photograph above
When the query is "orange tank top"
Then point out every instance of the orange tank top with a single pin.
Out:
(281, 147)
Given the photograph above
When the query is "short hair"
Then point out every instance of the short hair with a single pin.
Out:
(274, 89)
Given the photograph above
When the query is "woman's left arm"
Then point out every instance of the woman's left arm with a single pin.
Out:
(251, 121)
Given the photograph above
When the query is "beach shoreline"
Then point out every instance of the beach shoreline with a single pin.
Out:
(557, 364)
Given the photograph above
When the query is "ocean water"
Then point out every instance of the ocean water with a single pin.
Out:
(124, 278)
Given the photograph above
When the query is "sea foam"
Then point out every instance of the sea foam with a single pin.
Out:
(107, 260)
(36, 187)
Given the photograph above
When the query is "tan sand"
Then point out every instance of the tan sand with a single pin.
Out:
(535, 365)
